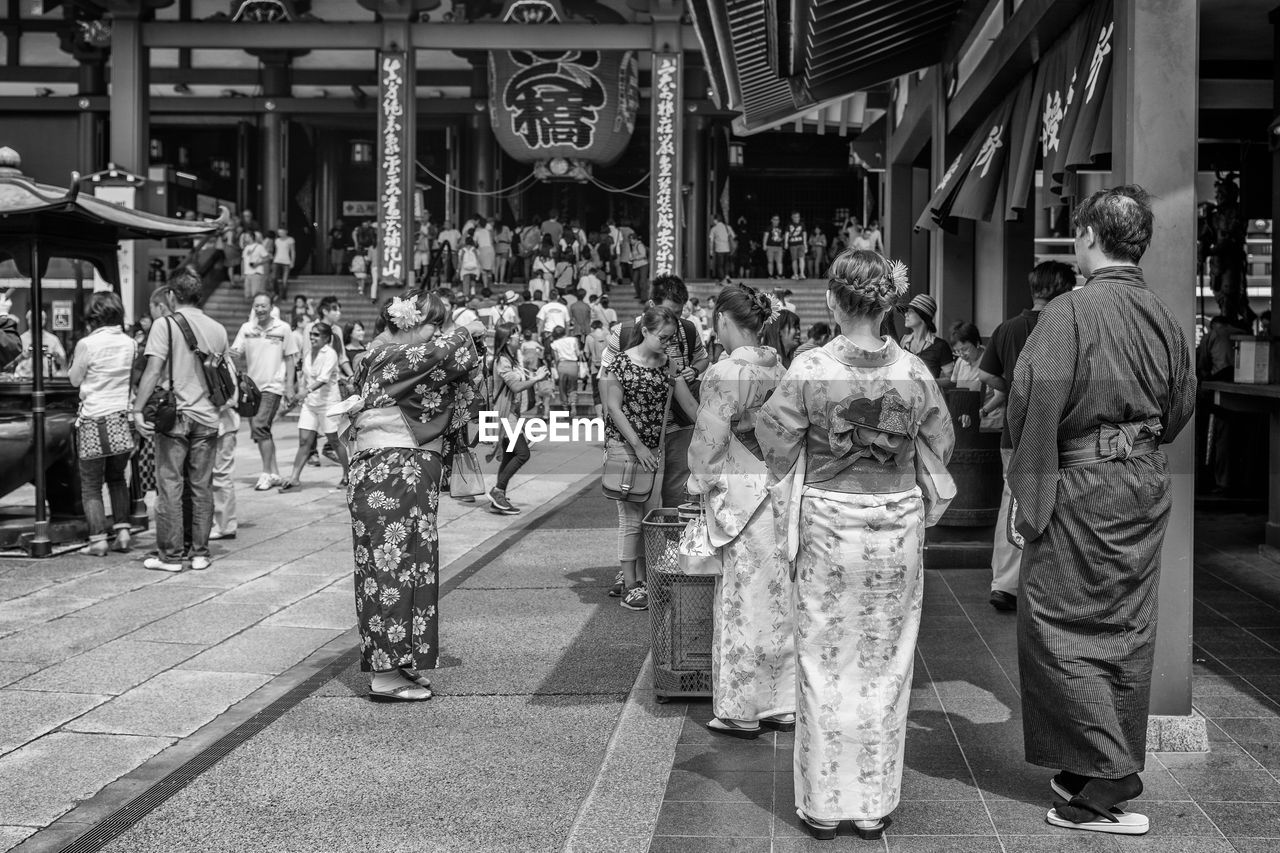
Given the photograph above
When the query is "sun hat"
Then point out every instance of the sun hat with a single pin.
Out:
(924, 305)
(509, 296)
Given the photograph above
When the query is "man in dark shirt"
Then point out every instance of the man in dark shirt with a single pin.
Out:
(1048, 280)
(528, 312)
(580, 318)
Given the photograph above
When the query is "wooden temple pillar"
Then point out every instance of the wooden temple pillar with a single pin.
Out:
(274, 142)
(1154, 144)
(129, 144)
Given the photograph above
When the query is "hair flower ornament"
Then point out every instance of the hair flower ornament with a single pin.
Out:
(775, 308)
(898, 275)
(404, 313)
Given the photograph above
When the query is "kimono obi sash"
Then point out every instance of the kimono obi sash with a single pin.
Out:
(382, 428)
(864, 478)
(1110, 443)
(867, 447)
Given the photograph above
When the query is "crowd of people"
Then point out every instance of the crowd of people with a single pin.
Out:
(816, 465)
(784, 250)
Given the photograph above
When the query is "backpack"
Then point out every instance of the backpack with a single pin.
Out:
(219, 379)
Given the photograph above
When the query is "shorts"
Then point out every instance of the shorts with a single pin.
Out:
(260, 426)
(317, 420)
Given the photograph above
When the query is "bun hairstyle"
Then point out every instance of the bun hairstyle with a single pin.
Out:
(434, 309)
(863, 282)
(748, 308)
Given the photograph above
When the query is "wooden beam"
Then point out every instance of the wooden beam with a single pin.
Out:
(1236, 95)
(319, 35)
(1032, 30)
(247, 108)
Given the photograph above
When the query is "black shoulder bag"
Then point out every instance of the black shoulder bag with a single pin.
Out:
(161, 408)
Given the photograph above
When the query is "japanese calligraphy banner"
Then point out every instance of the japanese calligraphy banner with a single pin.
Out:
(395, 168)
(664, 197)
(1086, 129)
(579, 105)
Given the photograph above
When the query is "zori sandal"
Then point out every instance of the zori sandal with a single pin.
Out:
(732, 729)
(1113, 820)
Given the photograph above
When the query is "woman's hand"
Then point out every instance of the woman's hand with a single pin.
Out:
(140, 422)
(648, 461)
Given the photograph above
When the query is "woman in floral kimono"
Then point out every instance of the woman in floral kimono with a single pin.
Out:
(753, 666)
(414, 390)
(859, 435)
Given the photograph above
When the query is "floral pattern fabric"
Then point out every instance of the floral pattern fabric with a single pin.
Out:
(753, 667)
(859, 591)
(394, 495)
(876, 436)
(644, 400)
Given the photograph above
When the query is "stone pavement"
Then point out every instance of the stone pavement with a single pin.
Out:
(544, 734)
(105, 665)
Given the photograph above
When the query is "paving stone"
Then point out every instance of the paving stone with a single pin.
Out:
(333, 607)
(173, 704)
(112, 668)
(757, 755)
(116, 580)
(1254, 845)
(731, 786)
(208, 623)
(686, 844)
(1251, 730)
(42, 606)
(1258, 820)
(58, 640)
(1207, 786)
(280, 591)
(940, 844)
(13, 670)
(147, 605)
(1222, 756)
(262, 648)
(918, 817)
(26, 715)
(11, 835)
(720, 820)
(954, 784)
(46, 778)
(1216, 707)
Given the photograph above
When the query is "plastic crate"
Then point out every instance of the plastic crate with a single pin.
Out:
(681, 613)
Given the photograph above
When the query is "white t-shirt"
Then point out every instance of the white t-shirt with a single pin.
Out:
(285, 250)
(566, 349)
(591, 284)
(553, 314)
(324, 366)
(721, 238)
(265, 352)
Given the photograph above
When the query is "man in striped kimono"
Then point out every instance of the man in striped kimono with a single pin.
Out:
(1105, 378)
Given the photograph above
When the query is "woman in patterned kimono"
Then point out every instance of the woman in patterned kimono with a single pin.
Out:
(753, 668)
(414, 391)
(862, 431)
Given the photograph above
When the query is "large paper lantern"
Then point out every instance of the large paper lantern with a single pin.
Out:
(561, 110)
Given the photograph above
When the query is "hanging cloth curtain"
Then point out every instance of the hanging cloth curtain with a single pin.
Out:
(971, 184)
(1084, 132)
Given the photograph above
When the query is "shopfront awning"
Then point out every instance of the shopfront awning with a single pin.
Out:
(773, 60)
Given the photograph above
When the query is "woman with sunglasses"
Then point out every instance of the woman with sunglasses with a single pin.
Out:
(319, 389)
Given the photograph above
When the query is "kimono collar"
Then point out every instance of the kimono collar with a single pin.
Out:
(847, 352)
(1118, 275)
(763, 356)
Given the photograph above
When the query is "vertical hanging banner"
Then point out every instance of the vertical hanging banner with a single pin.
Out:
(664, 204)
(395, 168)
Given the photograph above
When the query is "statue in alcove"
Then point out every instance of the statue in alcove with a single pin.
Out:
(1223, 238)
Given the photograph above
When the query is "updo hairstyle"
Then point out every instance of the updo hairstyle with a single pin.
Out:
(434, 309)
(861, 284)
(748, 308)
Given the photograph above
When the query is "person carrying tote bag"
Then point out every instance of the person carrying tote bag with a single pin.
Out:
(637, 389)
(105, 438)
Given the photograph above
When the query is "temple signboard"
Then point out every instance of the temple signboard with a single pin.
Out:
(394, 158)
(571, 108)
(664, 214)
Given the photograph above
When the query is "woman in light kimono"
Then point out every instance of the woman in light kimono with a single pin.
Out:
(753, 671)
(859, 435)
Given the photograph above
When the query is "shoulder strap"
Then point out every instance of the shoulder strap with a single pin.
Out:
(187, 333)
